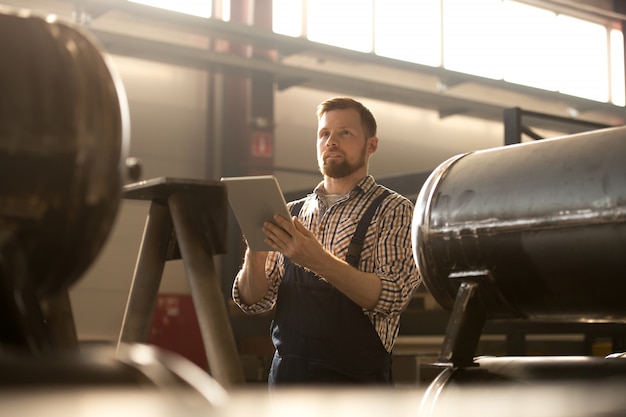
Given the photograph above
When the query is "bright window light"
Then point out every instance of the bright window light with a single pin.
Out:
(287, 17)
(528, 49)
(409, 31)
(583, 58)
(618, 89)
(344, 23)
(192, 7)
(225, 10)
(499, 39)
(472, 39)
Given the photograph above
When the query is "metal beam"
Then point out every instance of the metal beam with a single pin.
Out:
(287, 75)
(120, 44)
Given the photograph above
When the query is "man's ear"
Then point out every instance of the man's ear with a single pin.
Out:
(372, 144)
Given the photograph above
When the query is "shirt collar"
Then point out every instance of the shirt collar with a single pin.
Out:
(364, 186)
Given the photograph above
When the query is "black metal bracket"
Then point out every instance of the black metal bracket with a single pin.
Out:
(464, 327)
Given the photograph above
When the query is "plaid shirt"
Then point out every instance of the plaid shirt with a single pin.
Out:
(387, 250)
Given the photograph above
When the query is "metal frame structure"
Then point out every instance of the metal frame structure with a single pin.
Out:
(186, 220)
(286, 74)
(518, 122)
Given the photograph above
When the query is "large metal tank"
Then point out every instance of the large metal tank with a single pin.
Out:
(540, 226)
(64, 132)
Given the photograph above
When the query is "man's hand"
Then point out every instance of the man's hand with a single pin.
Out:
(294, 241)
(299, 244)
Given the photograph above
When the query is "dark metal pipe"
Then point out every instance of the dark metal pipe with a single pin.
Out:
(541, 226)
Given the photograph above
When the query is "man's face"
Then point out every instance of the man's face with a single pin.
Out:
(342, 148)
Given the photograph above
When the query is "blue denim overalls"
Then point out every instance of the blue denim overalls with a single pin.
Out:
(323, 337)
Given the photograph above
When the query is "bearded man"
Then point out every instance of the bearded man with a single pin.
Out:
(341, 273)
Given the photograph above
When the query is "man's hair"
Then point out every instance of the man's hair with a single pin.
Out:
(341, 103)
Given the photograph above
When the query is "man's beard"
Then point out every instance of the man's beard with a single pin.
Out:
(341, 169)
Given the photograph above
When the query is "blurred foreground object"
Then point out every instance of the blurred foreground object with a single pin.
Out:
(63, 140)
(64, 132)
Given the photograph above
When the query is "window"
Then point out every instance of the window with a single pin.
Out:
(618, 89)
(471, 37)
(498, 39)
(414, 35)
(528, 51)
(287, 18)
(343, 23)
(196, 8)
(583, 61)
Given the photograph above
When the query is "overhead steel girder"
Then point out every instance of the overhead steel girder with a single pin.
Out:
(181, 55)
(287, 75)
(121, 44)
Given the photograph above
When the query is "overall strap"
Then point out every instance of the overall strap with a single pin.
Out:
(295, 209)
(356, 244)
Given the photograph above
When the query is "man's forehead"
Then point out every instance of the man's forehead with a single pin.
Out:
(348, 118)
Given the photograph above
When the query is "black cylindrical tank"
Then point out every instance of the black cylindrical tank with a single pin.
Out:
(64, 132)
(541, 225)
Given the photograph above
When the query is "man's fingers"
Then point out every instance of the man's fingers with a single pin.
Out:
(275, 232)
(301, 228)
(283, 223)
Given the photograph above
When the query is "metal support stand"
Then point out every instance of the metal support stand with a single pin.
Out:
(464, 328)
(60, 320)
(187, 218)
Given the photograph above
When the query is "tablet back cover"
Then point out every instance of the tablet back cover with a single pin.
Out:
(254, 200)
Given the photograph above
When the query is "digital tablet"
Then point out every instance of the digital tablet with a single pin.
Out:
(254, 200)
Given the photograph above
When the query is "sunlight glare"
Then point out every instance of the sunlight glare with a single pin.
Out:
(528, 50)
(191, 7)
(343, 23)
(618, 87)
(499, 39)
(287, 17)
(582, 58)
(413, 35)
(471, 37)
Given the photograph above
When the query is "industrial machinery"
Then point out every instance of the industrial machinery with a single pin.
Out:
(533, 231)
(64, 132)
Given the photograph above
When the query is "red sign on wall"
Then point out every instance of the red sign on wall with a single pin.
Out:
(262, 145)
